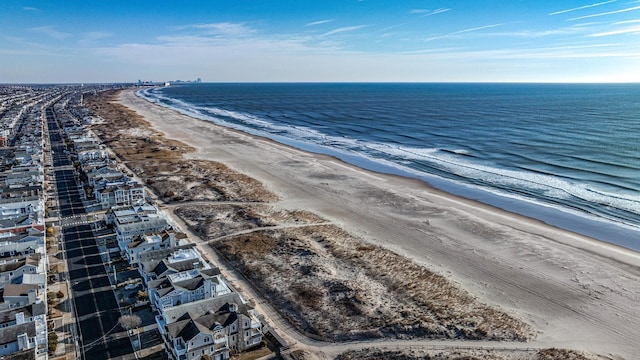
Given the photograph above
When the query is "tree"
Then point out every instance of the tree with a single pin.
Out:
(130, 322)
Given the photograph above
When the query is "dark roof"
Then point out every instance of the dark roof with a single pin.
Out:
(27, 354)
(161, 268)
(13, 265)
(211, 272)
(184, 265)
(200, 308)
(185, 329)
(190, 284)
(210, 321)
(10, 334)
(28, 311)
(164, 291)
(7, 223)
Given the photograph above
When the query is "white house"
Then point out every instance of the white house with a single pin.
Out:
(119, 195)
(145, 243)
(207, 327)
(131, 221)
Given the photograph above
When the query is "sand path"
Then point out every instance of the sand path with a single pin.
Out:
(577, 292)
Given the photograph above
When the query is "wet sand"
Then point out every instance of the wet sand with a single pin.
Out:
(577, 293)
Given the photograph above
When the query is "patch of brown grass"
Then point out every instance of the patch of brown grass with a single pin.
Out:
(464, 354)
(335, 286)
(563, 354)
(160, 163)
(211, 221)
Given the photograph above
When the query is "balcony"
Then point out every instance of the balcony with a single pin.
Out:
(179, 349)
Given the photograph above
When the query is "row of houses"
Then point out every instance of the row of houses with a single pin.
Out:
(107, 183)
(197, 311)
(23, 309)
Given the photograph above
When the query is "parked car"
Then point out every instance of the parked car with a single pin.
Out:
(131, 286)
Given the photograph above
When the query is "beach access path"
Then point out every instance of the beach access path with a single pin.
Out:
(578, 293)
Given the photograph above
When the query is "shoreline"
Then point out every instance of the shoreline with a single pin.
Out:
(503, 258)
(576, 239)
(618, 234)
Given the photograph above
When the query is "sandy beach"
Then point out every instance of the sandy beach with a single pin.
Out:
(576, 292)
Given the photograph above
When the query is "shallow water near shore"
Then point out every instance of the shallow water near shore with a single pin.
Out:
(564, 154)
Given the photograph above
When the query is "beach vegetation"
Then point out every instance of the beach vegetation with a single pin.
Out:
(320, 273)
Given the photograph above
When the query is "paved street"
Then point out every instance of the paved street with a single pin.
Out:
(95, 304)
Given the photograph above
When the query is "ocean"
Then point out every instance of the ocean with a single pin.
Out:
(565, 154)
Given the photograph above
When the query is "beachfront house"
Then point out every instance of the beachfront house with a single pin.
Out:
(129, 193)
(186, 287)
(132, 221)
(158, 264)
(212, 327)
(149, 242)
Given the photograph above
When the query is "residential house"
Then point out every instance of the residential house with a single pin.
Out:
(192, 330)
(130, 193)
(188, 286)
(132, 221)
(19, 295)
(18, 338)
(13, 268)
(149, 242)
(32, 313)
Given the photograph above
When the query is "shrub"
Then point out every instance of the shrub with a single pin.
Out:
(52, 341)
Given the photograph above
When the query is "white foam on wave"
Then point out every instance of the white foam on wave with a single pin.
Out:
(402, 158)
(553, 186)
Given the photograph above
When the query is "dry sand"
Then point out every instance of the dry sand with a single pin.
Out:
(578, 293)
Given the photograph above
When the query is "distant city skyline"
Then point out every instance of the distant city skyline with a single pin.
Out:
(332, 40)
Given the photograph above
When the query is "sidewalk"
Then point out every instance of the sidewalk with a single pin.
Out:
(60, 309)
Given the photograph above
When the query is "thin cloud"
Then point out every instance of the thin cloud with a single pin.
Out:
(426, 12)
(606, 13)
(630, 30)
(390, 27)
(30, 8)
(476, 29)
(626, 21)
(437, 11)
(583, 7)
(344, 29)
(50, 31)
(226, 29)
(94, 36)
(320, 22)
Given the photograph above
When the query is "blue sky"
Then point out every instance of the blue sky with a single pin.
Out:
(328, 40)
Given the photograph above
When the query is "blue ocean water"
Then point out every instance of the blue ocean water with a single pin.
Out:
(566, 154)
